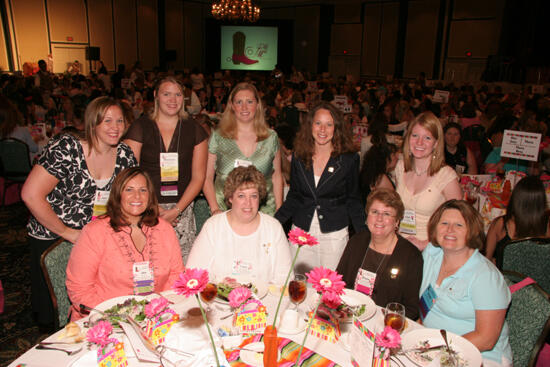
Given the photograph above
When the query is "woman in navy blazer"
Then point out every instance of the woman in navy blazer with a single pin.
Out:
(324, 187)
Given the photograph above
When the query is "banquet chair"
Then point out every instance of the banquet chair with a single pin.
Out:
(201, 211)
(528, 319)
(15, 164)
(529, 256)
(54, 265)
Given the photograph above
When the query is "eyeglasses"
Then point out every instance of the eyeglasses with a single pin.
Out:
(385, 215)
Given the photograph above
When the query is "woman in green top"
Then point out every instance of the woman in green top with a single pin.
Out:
(243, 139)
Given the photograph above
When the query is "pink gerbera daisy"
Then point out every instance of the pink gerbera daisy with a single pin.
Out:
(99, 333)
(389, 338)
(300, 237)
(238, 296)
(326, 280)
(331, 299)
(155, 306)
(191, 282)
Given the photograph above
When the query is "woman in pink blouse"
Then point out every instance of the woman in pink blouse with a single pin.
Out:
(128, 251)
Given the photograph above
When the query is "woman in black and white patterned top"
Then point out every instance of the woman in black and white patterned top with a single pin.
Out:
(70, 184)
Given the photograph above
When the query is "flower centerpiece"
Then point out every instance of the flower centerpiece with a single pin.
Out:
(160, 319)
(386, 343)
(238, 296)
(300, 238)
(110, 351)
(330, 286)
(190, 283)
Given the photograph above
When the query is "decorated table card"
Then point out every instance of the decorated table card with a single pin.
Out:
(324, 329)
(251, 316)
(361, 343)
(112, 355)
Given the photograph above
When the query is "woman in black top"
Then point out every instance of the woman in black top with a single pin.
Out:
(457, 155)
(381, 263)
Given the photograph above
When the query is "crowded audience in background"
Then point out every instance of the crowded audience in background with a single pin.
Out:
(309, 149)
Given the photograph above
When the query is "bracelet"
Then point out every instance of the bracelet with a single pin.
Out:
(178, 209)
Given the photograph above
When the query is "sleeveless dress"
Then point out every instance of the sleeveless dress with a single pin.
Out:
(428, 200)
(229, 156)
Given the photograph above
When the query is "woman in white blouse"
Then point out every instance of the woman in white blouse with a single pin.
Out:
(242, 242)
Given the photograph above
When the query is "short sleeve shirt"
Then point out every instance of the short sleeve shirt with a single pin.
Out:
(477, 285)
(227, 153)
(72, 198)
(186, 136)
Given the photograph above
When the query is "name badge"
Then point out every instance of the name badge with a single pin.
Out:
(169, 174)
(241, 267)
(100, 203)
(364, 281)
(427, 301)
(408, 223)
(242, 163)
(144, 280)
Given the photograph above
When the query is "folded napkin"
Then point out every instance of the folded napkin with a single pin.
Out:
(193, 340)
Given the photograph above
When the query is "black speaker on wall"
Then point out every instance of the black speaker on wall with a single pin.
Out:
(92, 53)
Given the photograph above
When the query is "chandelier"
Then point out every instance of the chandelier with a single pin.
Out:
(237, 10)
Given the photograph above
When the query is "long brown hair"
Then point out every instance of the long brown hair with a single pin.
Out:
(114, 206)
(228, 123)
(342, 141)
(431, 123)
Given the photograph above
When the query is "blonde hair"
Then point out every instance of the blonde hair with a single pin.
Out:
(431, 123)
(94, 115)
(228, 123)
(169, 79)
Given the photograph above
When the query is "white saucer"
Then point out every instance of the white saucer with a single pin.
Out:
(302, 324)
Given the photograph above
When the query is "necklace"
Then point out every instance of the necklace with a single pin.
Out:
(420, 173)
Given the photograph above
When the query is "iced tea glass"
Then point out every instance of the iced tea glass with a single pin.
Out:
(297, 289)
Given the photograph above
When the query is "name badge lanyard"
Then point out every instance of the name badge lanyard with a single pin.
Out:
(169, 167)
(143, 273)
(365, 280)
(408, 223)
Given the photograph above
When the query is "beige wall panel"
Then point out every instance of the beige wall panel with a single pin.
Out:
(480, 37)
(194, 40)
(345, 37)
(421, 35)
(67, 18)
(371, 32)
(125, 32)
(347, 12)
(175, 31)
(101, 30)
(148, 34)
(30, 30)
(478, 9)
(390, 18)
(4, 65)
(306, 38)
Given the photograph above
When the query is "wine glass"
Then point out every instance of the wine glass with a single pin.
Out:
(395, 316)
(208, 294)
(297, 289)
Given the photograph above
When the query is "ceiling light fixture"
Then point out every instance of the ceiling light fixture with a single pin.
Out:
(236, 10)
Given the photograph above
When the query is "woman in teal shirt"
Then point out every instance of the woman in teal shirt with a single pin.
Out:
(461, 290)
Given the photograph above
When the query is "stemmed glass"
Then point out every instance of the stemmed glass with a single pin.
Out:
(395, 316)
(208, 295)
(297, 289)
(472, 195)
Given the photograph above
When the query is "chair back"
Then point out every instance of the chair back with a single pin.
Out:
(530, 257)
(54, 266)
(528, 320)
(14, 156)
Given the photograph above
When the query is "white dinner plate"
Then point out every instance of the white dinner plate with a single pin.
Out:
(254, 356)
(260, 286)
(467, 353)
(351, 298)
(103, 306)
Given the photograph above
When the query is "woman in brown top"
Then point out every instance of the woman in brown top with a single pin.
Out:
(173, 151)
